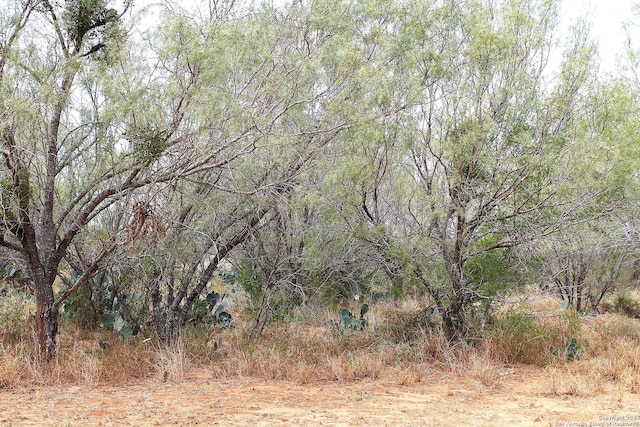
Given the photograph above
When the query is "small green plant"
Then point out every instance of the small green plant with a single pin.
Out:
(217, 346)
(213, 310)
(15, 276)
(379, 296)
(519, 338)
(114, 318)
(349, 322)
(148, 143)
(228, 276)
(570, 352)
(79, 307)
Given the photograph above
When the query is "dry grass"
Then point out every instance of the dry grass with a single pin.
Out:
(303, 354)
(525, 330)
(15, 316)
(79, 361)
(171, 362)
(569, 381)
(401, 342)
(608, 362)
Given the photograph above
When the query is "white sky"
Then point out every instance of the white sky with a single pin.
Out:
(607, 17)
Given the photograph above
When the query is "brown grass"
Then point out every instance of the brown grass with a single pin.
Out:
(171, 362)
(303, 354)
(402, 343)
(80, 360)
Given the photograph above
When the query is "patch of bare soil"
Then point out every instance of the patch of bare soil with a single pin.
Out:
(524, 397)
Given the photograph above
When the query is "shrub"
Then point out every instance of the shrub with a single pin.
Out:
(349, 322)
(15, 317)
(407, 325)
(80, 309)
(522, 337)
(624, 304)
(517, 338)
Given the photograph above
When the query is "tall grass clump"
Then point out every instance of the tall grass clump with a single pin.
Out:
(606, 332)
(610, 359)
(16, 320)
(304, 354)
(522, 337)
(79, 361)
(171, 361)
(626, 304)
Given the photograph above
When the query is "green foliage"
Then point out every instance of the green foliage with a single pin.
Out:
(346, 284)
(252, 285)
(228, 276)
(147, 143)
(492, 270)
(456, 149)
(114, 318)
(211, 310)
(624, 304)
(570, 352)
(15, 275)
(349, 322)
(79, 308)
(380, 296)
(521, 337)
(86, 18)
(15, 194)
(266, 302)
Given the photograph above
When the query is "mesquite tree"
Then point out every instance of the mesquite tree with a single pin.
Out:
(79, 134)
(266, 101)
(45, 49)
(471, 147)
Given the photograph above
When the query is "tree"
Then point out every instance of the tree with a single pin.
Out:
(586, 266)
(85, 127)
(595, 257)
(473, 148)
(265, 103)
(42, 139)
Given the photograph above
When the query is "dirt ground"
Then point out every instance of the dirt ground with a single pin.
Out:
(522, 398)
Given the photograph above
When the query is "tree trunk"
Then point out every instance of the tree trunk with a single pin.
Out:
(454, 320)
(454, 316)
(46, 324)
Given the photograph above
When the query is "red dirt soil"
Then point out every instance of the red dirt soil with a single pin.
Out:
(523, 397)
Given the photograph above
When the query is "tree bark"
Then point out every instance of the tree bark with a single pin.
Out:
(454, 319)
(46, 324)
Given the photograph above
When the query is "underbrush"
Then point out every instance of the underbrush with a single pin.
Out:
(399, 342)
(624, 303)
(95, 359)
(610, 360)
(521, 337)
(15, 316)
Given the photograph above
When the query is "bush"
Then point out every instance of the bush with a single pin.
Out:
(407, 325)
(517, 338)
(606, 333)
(15, 317)
(80, 310)
(625, 305)
(520, 337)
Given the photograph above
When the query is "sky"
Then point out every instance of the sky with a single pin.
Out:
(607, 17)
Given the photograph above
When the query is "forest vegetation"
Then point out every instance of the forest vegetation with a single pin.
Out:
(383, 181)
